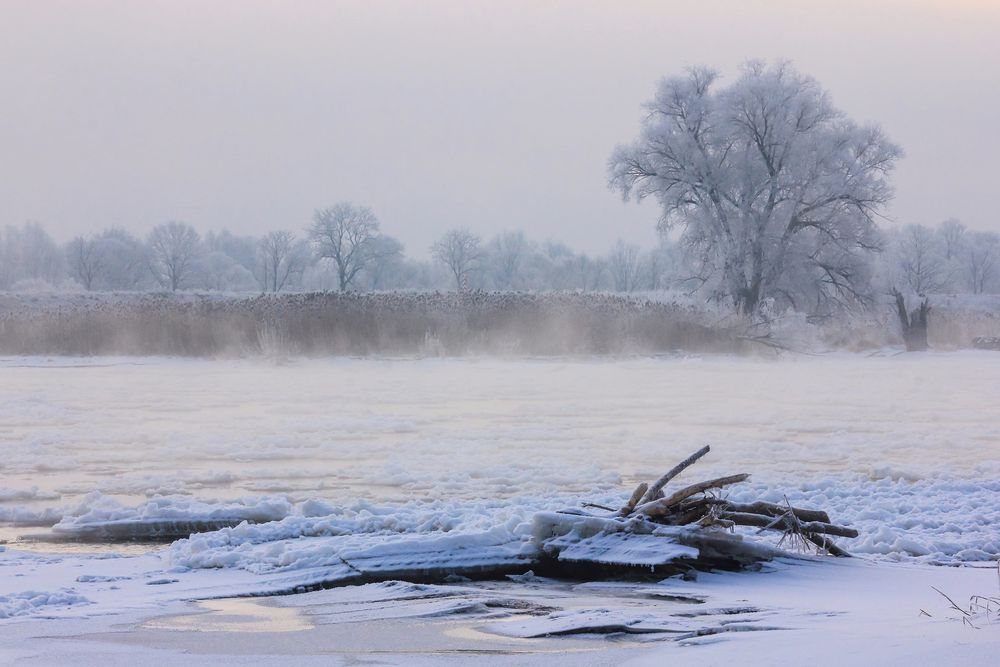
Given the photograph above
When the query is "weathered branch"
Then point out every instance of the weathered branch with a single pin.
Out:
(658, 485)
(662, 506)
(633, 500)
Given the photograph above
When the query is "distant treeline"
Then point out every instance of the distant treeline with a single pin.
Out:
(345, 250)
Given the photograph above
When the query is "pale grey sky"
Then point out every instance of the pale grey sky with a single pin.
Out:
(250, 114)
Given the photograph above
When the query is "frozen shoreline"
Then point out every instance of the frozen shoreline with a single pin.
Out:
(872, 609)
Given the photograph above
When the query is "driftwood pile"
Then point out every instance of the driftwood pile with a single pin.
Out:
(986, 343)
(700, 505)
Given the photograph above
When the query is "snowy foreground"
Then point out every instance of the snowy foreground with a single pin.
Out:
(343, 468)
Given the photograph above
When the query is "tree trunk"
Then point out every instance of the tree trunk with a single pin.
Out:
(749, 299)
(914, 324)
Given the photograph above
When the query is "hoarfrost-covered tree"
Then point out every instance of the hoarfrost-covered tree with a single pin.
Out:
(459, 250)
(28, 254)
(982, 262)
(774, 188)
(85, 258)
(658, 266)
(922, 264)
(623, 263)
(569, 270)
(591, 273)
(173, 252)
(386, 268)
(346, 234)
(506, 254)
(218, 271)
(952, 233)
(125, 261)
(8, 260)
(555, 266)
(281, 259)
(243, 249)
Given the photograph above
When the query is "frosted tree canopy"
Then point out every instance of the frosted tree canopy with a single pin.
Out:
(774, 189)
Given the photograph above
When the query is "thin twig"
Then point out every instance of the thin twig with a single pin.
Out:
(600, 507)
(953, 605)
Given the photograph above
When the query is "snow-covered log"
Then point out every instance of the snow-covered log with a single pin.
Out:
(620, 545)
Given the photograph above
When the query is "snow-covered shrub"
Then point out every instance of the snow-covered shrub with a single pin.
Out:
(449, 323)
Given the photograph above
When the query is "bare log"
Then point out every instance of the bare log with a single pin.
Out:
(770, 509)
(827, 544)
(819, 528)
(690, 513)
(658, 485)
(709, 520)
(633, 500)
(662, 506)
(770, 522)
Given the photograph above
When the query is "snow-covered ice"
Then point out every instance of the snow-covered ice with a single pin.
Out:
(302, 472)
(34, 602)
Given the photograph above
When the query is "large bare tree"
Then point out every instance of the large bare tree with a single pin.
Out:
(280, 260)
(982, 261)
(953, 236)
(623, 264)
(126, 260)
(387, 259)
(86, 260)
(775, 189)
(346, 234)
(173, 251)
(921, 260)
(507, 252)
(460, 251)
(27, 252)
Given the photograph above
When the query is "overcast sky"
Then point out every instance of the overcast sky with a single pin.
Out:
(249, 114)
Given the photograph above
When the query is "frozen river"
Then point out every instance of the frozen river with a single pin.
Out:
(402, 431)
